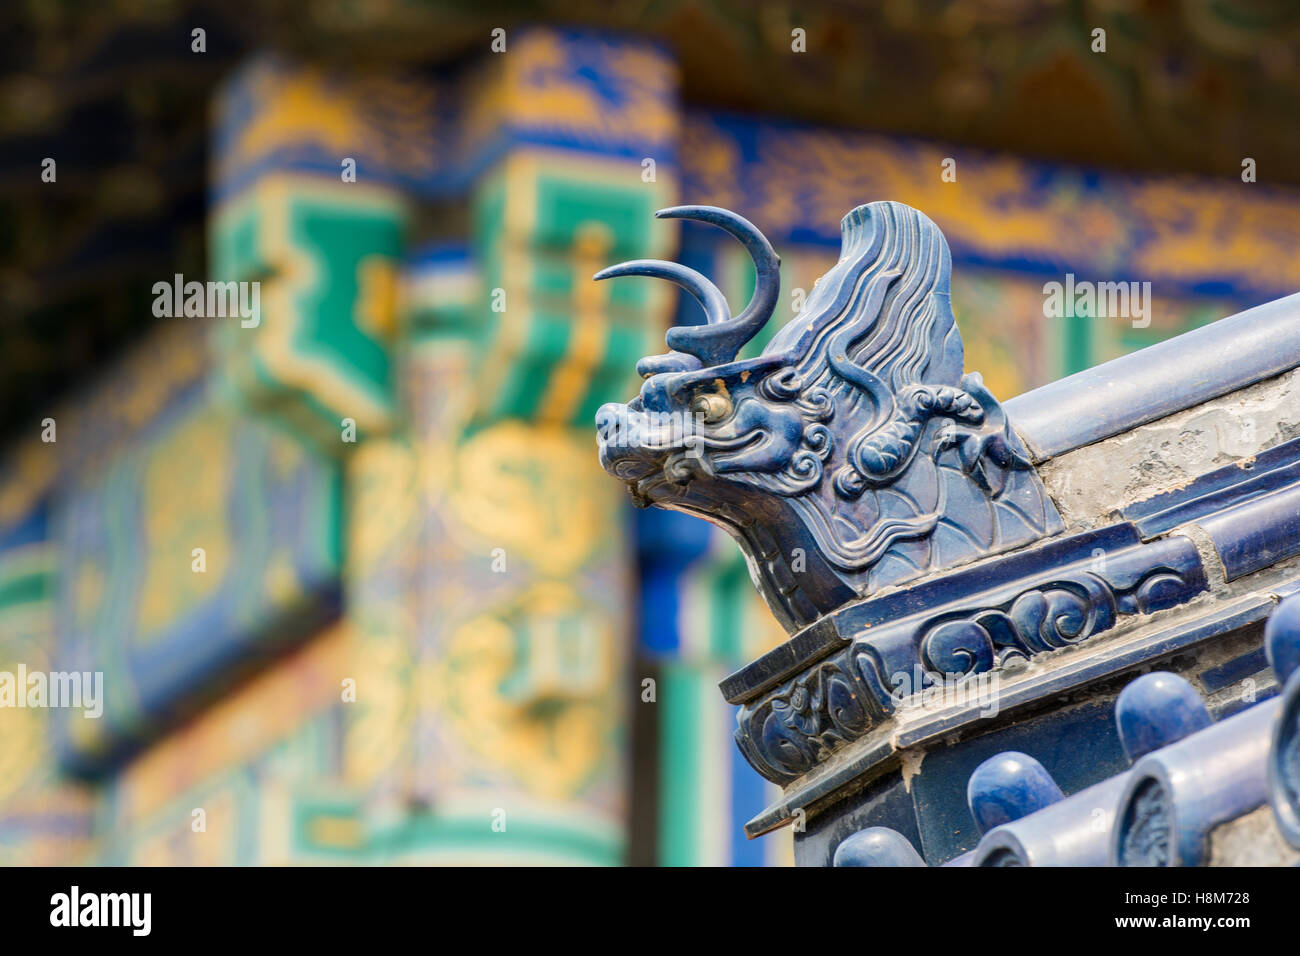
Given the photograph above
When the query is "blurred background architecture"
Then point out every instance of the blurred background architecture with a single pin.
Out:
(358, 587)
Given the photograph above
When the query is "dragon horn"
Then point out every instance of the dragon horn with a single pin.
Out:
(705, 292)
(718, 343)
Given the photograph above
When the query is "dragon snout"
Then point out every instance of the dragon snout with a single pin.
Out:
(630, 430)
(610, 420)
(635, 444)
(621, 432)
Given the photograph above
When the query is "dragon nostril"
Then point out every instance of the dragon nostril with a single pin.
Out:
(607, 421)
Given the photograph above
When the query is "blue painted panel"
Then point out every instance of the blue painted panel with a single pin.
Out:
(132, 602)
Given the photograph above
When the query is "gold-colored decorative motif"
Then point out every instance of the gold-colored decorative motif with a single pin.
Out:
(91, 427)
(538, 492)
(390, 119)
(291, 348)
(381, 536)
(186, 487)
(571, 379)
(376, 306)
(803, 178)
(527, 686)
(631, 101)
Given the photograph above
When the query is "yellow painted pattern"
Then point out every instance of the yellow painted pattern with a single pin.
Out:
(1177, 228)
(536, 491)
(571, 379)
(307, 107)
(381, 546)
(186, 488)
(138, 389)
(545, 91)
(527, 687)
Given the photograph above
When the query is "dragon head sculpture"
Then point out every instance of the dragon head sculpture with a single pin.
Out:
(852, 454)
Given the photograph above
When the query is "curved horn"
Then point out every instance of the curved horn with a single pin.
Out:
(718, 344)
(704, 291)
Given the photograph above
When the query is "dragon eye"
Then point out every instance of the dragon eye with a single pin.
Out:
(711, 406)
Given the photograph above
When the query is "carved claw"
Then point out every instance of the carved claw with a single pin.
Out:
(988, 458)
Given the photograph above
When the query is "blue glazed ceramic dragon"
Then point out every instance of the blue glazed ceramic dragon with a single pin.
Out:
(852, 454)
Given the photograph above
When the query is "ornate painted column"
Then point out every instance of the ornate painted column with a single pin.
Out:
(310, 202)
(488, 566)
(525, 576)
